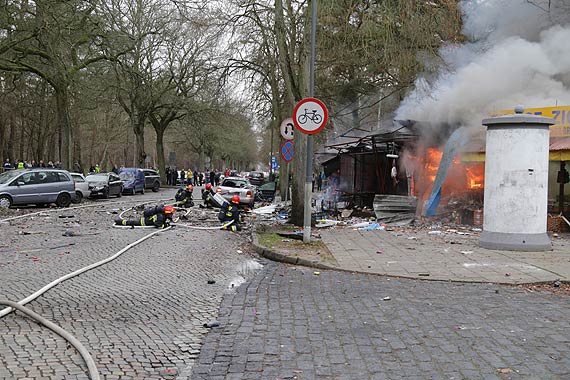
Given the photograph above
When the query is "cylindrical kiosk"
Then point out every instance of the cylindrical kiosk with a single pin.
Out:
(516, 183)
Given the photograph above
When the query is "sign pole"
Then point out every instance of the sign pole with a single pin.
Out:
(309, 172)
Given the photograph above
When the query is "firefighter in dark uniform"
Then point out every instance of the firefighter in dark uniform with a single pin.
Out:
(184, 197)
(230, 213)
(157, 216)
(208, 196)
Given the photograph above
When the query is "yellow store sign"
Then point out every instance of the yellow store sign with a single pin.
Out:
(561, 116)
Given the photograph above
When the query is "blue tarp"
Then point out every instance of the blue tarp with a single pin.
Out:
(456, 141)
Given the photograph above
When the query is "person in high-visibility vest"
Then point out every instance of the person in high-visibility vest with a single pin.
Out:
(189, 176)
(21, 164)
(97, 168)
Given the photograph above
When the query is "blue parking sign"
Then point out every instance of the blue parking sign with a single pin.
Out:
(287, 151)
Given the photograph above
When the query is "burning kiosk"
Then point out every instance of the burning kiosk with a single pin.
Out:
(394, 168)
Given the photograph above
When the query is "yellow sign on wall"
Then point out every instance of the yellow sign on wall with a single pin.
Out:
(561, 116)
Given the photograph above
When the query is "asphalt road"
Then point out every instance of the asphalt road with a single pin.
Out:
(141, 315)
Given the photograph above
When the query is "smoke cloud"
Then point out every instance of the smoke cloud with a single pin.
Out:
(517, 54)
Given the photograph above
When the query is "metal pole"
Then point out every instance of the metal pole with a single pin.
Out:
(309, 172)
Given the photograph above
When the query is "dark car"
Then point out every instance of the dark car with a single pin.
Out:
(105, 184)
(133, 180)
(151, 180)
(256, 178)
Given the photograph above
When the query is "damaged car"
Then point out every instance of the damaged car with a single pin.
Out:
(105, 184)
(231, 186)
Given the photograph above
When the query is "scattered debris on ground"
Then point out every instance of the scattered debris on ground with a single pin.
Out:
(555, 287)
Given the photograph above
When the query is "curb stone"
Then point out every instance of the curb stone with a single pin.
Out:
(276, 256)
(279, 257)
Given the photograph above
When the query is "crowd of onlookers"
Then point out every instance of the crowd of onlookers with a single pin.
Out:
(196, 178)
(174, 177)
(21, 164)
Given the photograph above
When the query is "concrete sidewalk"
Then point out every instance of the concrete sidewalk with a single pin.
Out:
(452, 255)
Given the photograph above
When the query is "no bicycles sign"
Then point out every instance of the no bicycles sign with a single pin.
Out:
(310, 116)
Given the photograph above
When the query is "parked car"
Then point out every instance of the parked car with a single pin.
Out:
(151, 180)
(256, 178)
(36, 186)
(105, 184)
(81, 187)
(237, 186)
(133, 180)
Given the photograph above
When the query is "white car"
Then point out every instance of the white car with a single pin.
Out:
(81, 187)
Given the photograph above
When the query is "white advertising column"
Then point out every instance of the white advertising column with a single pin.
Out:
(516, 183)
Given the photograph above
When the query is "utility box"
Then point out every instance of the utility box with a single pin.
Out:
(516, 182)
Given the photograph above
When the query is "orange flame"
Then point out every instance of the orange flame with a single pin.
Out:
(461, 177)
(475, 176)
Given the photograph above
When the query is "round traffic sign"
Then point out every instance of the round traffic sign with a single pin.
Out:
(310, 116)
(287, 128)
(287, 151)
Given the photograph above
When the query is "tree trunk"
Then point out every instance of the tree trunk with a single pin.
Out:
(138, 122)
(11, 141)
(2, 137)
(160, 154)
(62, 112)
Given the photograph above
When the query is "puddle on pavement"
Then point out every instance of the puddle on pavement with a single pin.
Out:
(244, 272)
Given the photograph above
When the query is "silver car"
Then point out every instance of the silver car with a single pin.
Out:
(237, 186)
(36, 186)
(81, 187)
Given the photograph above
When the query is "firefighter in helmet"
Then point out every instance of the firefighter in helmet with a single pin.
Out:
(184, 197)
(208, 196)
(157, 216)
(230, 213)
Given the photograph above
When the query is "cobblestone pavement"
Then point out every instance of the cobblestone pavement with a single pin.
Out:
(448, 255)
(289, 323)
(140, 315)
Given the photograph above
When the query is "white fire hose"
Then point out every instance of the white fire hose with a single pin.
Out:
(204, 228)
(93, 373)
(75, 208)
(78, 272)
(91, 366)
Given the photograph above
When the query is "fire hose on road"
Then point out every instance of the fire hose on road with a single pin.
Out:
(78, 272)
(91, 366)
(93, 373)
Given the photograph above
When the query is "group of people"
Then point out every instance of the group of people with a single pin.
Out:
(77, 168)
(196, 178)
(21, 164)
(160, 216)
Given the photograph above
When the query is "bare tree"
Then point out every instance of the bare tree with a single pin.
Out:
(54, 40)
